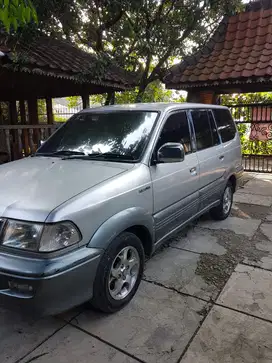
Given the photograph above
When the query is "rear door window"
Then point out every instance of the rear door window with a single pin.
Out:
(225, 124)
(205, 129)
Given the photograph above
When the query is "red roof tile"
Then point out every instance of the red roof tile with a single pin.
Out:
(240, 49)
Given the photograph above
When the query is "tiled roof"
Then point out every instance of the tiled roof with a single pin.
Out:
(62, 59)
(239, 51)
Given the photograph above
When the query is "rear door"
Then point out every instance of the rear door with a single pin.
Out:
(231, 147)
(209, 154)
(175, 185)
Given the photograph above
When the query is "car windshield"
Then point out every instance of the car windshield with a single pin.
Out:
(111, 134)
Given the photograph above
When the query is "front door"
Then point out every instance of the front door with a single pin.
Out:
(175, 185)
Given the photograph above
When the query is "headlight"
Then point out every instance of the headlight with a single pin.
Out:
(22, 235)
(39, 237)
(58, 236)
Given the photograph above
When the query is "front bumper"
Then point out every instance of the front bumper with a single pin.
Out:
(47, 286)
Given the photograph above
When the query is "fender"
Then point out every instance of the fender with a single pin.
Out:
(118, 223)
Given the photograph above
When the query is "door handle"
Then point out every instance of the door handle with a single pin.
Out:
(222, 157)
(193, 171)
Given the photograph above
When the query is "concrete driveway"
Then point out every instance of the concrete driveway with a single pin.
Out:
(206, 298)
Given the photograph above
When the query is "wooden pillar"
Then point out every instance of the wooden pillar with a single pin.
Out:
(13, 117)
(86, 100)
(22, 112)
(207, 97)
(113, 98)
(1, 115)
(12, 137)
(34, 135)
(33, 111)
(110, 100)
(49, 111)
(24, 132)
(3, 146)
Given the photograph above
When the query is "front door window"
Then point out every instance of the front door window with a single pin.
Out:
(176, 129)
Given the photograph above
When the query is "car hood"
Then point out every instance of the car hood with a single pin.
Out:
(31, 188)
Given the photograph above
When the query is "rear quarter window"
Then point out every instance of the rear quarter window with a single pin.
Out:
(225, 124)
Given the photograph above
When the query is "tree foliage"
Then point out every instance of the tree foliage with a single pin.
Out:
(246, 98)
(244, 116)
(15, 13)
(155, 92)
(141, 35)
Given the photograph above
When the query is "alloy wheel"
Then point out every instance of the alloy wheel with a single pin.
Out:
(124, 273)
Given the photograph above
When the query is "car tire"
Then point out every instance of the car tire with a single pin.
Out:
(119, 273)
(222, 211)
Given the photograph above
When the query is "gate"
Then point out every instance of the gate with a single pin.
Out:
(254, 122)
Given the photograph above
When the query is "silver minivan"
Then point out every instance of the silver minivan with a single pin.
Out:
(79, 217)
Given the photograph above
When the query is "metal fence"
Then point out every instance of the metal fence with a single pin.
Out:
(61, 112)
(258, 163)
(254, 122)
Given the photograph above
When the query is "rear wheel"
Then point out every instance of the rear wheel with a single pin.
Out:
(222, 211)
(119, 273)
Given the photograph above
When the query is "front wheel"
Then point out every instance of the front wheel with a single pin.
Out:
(222, 211)
(119, 273)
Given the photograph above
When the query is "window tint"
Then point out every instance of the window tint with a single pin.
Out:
(176, 129)
(205, 129)
(225, 124)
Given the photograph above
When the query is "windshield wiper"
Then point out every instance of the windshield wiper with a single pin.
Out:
(115, 156)
(100, 155)
(61, 153)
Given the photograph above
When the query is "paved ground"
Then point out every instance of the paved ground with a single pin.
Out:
(206, 298)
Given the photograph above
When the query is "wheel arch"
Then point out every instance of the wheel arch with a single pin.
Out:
(134, 220)
(144, 235)
(233, 181)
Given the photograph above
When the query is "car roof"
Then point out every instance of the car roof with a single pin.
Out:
(162, 107)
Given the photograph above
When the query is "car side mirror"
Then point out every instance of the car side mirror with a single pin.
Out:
(170, 152)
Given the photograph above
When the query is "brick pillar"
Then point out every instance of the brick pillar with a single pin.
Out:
(207, 97)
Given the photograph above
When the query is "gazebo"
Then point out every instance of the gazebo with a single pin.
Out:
(237, 59)
(44, 69)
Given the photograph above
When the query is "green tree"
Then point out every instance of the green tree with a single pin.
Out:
(146, 35)
(73, 101)
(15, 13)
(155, 92)
(42, 111)
(143, 36)
(246, 98)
